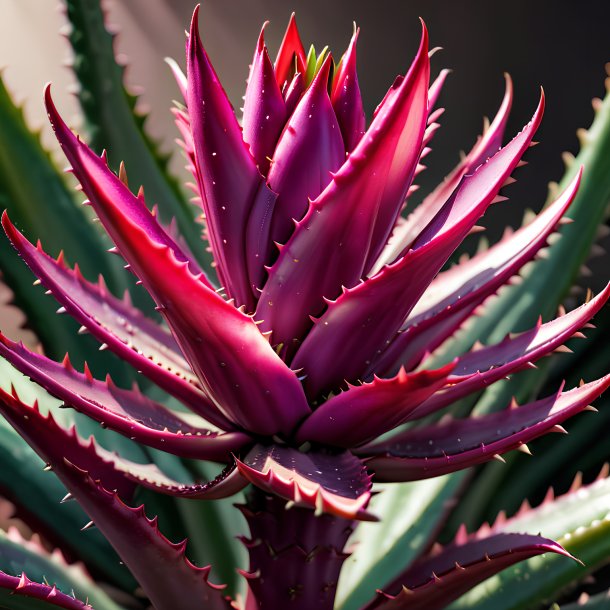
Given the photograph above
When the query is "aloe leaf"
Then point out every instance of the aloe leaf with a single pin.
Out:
(548, 280)
(59, 522)
(581, 522)
(411, 513)
(18, 555)
(114, 123)
(41, 204)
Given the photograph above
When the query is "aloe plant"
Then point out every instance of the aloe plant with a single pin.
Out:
(314, 361)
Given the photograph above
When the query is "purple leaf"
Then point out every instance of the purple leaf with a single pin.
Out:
(160, 566)
(434, 450)
(236, 367)
(486, 146)
(352, 216)
(134, 338)
(229, 181)
(22, 586)
(359, 324)
(117, 207)
(455, 293)
(128, 412)
(329, 482)
(361, 413)
(54, 444)
(478, 369)
(264, 108)
(346, 98)
(291, 54)
(309, 149)
(435, 581)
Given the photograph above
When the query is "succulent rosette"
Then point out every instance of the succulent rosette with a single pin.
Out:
(305, 357)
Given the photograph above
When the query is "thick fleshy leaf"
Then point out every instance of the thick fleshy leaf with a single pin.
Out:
(113, 202)
(115, 122)
(24, 594)
(453, 294)
(59, 523)
(434, 450)
(291, 55)
(352, 216)
(329, 482)
(410, 517)
(229, 181)
(346, 98)
(358, 325)
(19, 555)
(579, 520)
(264, 108)
(361, 413)
(478, 369)
(433, 582)
(55, 443)
(309, 149)
(161, 567)
(234, 363)
(128, 412)
(123, 329)
(486, 146)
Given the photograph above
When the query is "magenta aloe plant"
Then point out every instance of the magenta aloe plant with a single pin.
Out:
(305, 357)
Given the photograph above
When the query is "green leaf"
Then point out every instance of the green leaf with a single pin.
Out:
(581, 523)
(18, 555)
(601, 601)
(114, 124)
(411, 513)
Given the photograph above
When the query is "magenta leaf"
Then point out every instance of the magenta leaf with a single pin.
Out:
(435, 581)
(53, 443)
(346, 98)
(358, 324)
(236, 367)
(454, 294)
(117, 207)
(160, 566)
(123, 329)
(478, 369)
(434, 450)
(352, 217)
(49, 595)
(361, 413)
(229, 181)
(486, 146)
(329, 482)
(128, 412)
(264, 108)
(309, 149)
